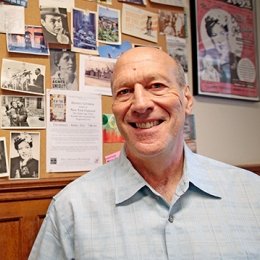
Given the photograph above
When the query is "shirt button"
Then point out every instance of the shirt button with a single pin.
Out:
(171, 218)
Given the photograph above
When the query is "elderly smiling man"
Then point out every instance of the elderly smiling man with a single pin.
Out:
(158, 200)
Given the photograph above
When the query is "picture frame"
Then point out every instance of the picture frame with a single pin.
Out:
(224, 49)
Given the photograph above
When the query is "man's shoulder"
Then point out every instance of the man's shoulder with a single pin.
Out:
(98, 180)
(223, 171)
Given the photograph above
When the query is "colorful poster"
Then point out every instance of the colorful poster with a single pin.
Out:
(111, 133)
(226, 49)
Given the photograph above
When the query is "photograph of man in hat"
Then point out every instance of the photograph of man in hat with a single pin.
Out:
(55, 25)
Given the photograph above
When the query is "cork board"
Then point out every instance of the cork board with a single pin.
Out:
(32, 17)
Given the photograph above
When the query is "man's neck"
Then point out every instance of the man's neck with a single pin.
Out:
(162, 173)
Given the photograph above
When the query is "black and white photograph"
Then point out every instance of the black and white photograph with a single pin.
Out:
(22, 112)
(3, 158)
(31, 42)
(95, 74)
(177, 48)
(23, 77)
(84, 32)
(24, 155)
(54, 22)
(109, 25)
(63, 70)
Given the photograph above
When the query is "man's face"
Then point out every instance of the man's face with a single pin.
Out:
(52, 23)
(148, 104)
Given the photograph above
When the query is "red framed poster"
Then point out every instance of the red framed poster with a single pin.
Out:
(224, 48)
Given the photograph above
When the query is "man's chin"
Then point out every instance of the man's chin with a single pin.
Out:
(145, 150)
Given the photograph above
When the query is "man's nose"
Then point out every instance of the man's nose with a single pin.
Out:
(141, 99)
(70, 61)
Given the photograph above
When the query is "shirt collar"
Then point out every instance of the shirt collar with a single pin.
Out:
(128, 181)
(197, 172)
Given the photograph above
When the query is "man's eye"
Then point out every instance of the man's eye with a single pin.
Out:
(123, 92)
(157, 86)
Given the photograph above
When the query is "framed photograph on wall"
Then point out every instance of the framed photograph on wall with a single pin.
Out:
(224, 49)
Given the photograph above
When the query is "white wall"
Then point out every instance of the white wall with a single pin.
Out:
(229, 130)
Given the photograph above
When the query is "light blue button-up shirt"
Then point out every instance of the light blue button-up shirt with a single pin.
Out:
(112, 213)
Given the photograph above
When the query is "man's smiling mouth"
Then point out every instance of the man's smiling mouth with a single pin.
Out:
(146, 125)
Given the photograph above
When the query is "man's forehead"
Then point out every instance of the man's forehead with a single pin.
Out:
(53, 16)
(135, 61)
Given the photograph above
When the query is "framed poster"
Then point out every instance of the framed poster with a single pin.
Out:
(224, 48)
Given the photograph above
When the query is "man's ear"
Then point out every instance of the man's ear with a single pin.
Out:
(43, 22)
(188, 100)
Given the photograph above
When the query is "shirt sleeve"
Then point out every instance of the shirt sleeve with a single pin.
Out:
(53, 241)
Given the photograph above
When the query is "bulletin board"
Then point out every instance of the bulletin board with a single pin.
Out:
(32, 17)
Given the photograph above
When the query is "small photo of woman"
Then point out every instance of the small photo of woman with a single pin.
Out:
(25, 154)
(3, 158)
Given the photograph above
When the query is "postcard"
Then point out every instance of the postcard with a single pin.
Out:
(107, 2)
(54, 21)
(63, 70)
(23, 77)
(139, 23)
(22, 112)
(4, 170)
(12, 19)
(84, 32)
(24, 155)
(95, 74)
(177, 48)
(172, 23)
(190, 132)
(138, 2)
(112, 156)
(74, 131)
(69, 4)
(114, 51)
(109, 25)
(180, 3)
(31, 42)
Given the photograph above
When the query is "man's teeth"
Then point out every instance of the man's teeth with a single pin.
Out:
(147, 124)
